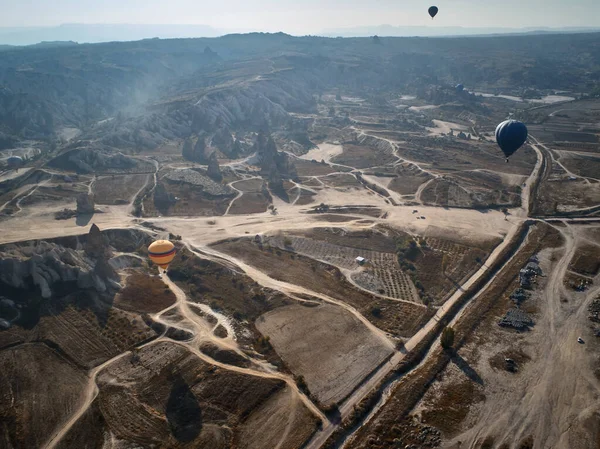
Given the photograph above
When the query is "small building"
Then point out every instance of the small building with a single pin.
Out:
(524, 278)
(533, 267)
(361, 260)
(572, 178)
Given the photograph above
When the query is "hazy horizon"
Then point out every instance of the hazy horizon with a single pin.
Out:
(306, 17)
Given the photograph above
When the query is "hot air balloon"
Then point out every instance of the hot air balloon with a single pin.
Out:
(161, 252)
(433, 10)
(510, 135)
(14, 162)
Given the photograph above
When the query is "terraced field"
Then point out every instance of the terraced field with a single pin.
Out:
(382, 267)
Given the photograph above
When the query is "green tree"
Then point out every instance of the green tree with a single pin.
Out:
(447, 338)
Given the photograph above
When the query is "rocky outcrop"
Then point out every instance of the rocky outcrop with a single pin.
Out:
(96, 245)
(100, 160)
(85, 204)
(214, 171)
(274, 164)
(46, 266)
(197, 152)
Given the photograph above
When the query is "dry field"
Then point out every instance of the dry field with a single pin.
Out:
(566, 196)
(144, 294)
(581, 165)
(192, 202)
(586, 260)
(443, 154)
(383, 267)
(61, 192)
(362, 156)
(344, 181)
(459, 379)
(253, 199)
(310, 168)
(325, 344)
(39, 390)
(408, 179)
(250, 203)
(170, 397)
(472, 189)
(118, 189)
(400, 319)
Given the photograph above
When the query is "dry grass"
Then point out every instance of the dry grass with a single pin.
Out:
(562, 196)
(360, 156)
(151, 401)
(451, 405)
(210, 283)
(250, 203)
(144, 294)
(398, 318)
(325, 344)
(334, 218)
(118, 189)
(309, 168)
(493, 302)
(408, 179)
(39, 390)
(586, 260)
(517, 354)
(192, 202)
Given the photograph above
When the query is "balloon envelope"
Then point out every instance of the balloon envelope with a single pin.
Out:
(511, 135)
(14, 161)
(161, 253)
(433, 10)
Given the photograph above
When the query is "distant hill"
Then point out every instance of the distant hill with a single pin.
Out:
(93, 33)
(431, 31)
(139, 94)
(96, 33)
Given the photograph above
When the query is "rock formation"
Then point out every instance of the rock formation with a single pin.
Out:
(45, 265)
(85, 204)
(197, 152)
(214, 171)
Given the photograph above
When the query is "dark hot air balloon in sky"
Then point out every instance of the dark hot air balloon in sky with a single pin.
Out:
(433, 10)
(14, 161)
(511, 135)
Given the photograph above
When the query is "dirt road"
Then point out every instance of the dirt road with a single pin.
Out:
(555, 397)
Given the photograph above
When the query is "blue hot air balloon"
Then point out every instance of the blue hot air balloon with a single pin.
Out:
(511, 135)
(433, 10)
(14, 161)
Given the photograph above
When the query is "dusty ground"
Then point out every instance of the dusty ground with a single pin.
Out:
(39, 390)
(326, 345)
(229, 282)
(118, 189)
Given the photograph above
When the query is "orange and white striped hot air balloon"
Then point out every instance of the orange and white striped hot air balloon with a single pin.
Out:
(162, 253)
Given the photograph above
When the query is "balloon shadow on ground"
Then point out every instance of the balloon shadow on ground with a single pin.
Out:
(183, 411)
(83, 220)
(466, 368)
(457, 285)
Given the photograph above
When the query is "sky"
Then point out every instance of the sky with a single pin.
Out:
(303, 16)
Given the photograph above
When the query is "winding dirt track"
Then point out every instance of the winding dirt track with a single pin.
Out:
(202, 332)
(199, 233)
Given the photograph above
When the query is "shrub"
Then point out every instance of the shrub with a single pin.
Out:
(376, 311)
(447, 338)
